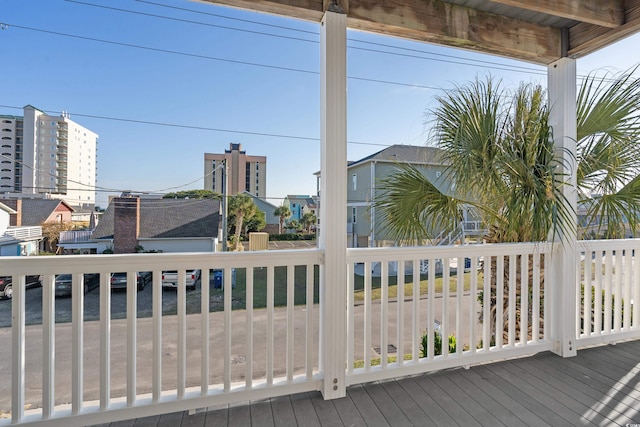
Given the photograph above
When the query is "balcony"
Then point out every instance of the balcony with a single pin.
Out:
(266, 336)
(24, 233)
(75, 236)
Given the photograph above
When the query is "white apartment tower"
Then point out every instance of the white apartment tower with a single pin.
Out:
(48, 155)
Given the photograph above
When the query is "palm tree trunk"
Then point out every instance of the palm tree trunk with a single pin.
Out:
(506, 279)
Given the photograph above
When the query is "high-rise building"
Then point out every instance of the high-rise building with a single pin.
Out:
(245, 173)
(48, 155)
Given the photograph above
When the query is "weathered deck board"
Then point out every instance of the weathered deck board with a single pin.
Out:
(601, 386)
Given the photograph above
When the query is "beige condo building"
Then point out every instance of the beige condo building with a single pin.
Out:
(245, 173)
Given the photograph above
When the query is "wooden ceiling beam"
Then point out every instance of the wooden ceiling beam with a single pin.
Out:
(587, 38)
(308, 10)
(444, 23)
(605, 13)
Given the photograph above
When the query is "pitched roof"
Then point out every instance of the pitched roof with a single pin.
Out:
(36, 211)
(307, 200)
(6, 208)
(405, 154)
(266, 207)
(167, 218)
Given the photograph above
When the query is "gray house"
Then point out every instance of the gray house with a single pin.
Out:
(363, 225)
(167, 225)
(272, 221)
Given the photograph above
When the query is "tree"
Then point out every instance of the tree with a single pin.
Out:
(242, 208)
(498, 146)
(51, 234)
(283, 212)
(256, 223)
(499, 150)
(294, 225)
(308, 220)
(193, 194)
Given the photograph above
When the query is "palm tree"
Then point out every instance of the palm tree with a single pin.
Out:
(308, 220)
(499, 151)
(241, 206)
(283, 212)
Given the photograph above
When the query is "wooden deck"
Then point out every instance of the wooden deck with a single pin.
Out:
(599, 387)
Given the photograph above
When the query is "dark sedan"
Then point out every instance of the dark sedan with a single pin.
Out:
(64, 284)
(6, 287)
(119, 280)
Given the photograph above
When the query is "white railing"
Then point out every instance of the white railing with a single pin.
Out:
(75, 236)
(121, 369)
(266, 337)
(608, 289)
(24, 233)
(391, 313)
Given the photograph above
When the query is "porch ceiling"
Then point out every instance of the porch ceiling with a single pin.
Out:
(539, 31)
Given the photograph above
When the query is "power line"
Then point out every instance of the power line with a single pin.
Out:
(229, 17)
(154, 49)
(191, 21)
(459, 60)
(181, 126)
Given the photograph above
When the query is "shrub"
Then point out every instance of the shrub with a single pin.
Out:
(291, 236)
(437, 341)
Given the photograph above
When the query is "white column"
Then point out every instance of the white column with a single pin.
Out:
(333, 206)
(563, 287)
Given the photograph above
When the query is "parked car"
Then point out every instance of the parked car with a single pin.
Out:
(6, 287)
(64, 284)
(119, 280)
(170, 279)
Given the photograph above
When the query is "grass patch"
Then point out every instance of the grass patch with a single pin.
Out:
(239, 292)
(376, 291)
(378, 360)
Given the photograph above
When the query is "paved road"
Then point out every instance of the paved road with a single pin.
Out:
(33, 304)
(63, 339)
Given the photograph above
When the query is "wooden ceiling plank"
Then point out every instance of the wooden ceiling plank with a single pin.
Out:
(607, 13)
(444, 23)
(307, 10)
(587, 38)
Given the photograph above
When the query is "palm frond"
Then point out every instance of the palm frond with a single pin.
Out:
(412, 207)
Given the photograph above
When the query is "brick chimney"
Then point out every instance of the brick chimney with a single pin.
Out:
(18, 209)
(15, 220)
(126, 224)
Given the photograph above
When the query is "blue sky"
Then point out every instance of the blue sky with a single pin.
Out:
(238, 76)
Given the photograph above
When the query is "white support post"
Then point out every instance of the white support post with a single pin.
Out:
(563, 290)
(333, 207)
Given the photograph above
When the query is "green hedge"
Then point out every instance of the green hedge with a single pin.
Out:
(292, 236)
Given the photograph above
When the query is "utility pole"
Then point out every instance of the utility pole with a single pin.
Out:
(225, 204)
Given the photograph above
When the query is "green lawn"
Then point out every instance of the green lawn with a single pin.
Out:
(376, 291)
(300, 276)
(239, 292)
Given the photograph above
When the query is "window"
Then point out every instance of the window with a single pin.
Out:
(247, 179)
(354, 182)
(6, 130)
(353, 215)
(6, 121)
